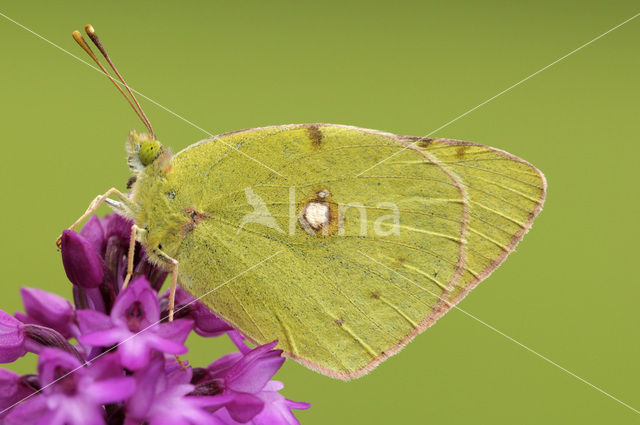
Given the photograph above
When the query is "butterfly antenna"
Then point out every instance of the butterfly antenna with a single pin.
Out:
(77, 36)
(94, 37)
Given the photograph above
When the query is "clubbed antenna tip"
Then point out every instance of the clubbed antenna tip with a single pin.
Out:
(77, 36)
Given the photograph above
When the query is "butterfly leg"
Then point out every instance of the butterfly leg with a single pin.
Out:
(172, 291)
(93, 206)
(174, 281)
(132, 249)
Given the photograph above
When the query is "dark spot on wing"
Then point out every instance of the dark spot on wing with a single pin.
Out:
(339, 321)
(424, 143)
(195, 219)
(375, 295)
(315, 135)
(421, 142)
(461, 151)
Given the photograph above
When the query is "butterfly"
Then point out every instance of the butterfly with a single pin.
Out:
(340, 242)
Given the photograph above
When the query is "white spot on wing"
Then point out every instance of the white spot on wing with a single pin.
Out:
(316, 215)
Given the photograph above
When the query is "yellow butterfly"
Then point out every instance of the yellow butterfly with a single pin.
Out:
(342, 243)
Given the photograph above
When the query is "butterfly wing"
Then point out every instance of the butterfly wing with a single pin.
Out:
(342, 268)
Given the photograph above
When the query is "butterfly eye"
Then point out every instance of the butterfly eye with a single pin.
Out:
(149, 150)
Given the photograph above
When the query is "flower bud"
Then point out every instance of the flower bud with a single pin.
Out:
(81, 262)
(39, 337)
(11, 338)
(45, 308)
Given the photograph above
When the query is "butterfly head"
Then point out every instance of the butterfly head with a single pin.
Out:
(142, 150)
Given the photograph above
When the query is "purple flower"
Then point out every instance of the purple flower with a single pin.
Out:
(47, 309)
(12, 338)
(206, 323)
(164, 397)
(81, 262)
(139, 383)
(109, 237)
(96, 262)
(72, 394)
(277, 409)
(13, 388)
(134, 325)
(245, 379)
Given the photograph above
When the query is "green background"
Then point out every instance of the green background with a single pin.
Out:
(571, 290)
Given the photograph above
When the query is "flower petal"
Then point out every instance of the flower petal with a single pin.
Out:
(145, 300)
(238, 340)
(53, 363)
(117, 226)
(277, 410)
(81, 262)
(146, 383)
(9, 382)
(12, 390)
(104, 338)
(111, 390)
(198, 416)
(176, 373)
(252, 373)
(91, 321)
(29, 412)
(176, 331)
(220, 367)
(244, 406)
(106, 366)
(223, 417)
(273, 386)
(135, 352)
(73, 410)
(207, 324)
(94, 233)
(48, 309)
(215, 401)
(165, 345)
(11, 338)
